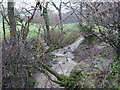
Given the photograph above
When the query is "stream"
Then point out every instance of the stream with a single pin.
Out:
(63, 63)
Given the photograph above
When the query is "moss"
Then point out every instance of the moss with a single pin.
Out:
(63, 80)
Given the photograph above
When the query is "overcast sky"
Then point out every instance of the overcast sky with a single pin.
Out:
(28, 3)
(31, 2)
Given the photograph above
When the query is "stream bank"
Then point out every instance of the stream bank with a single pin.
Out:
(64, 62)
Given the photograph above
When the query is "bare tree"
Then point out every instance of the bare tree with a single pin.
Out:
(59, 13)
(101, 14)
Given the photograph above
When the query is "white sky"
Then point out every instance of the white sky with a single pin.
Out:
(28, 3)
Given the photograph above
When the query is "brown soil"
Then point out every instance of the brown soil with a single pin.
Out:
(88, 51)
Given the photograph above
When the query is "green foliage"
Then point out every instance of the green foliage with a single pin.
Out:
(96, 28)
(76, 74)
(102, 54)
(115, 65)
(75, 77)
(113, 75)
(31, 81)
(84, 28)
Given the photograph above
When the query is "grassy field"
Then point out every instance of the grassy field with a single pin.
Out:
(34, 29)
(32, 33)
(69, 29)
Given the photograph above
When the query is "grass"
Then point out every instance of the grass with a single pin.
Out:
(72, 26)
(34, 29)
(32, 34)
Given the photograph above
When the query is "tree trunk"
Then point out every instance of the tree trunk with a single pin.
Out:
(46, 18)
(13, 39)
(61, 24)
(12, 22)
